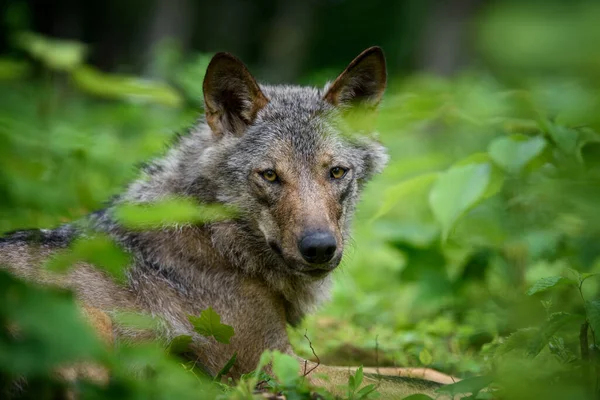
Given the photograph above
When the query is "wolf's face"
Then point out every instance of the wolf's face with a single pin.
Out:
(286, 162)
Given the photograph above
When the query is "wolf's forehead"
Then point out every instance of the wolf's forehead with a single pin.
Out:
(286, 100)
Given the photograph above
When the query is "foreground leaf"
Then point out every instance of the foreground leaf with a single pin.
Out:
(549, 328)
(593, 315)
(548, 283)
(209, 324)
(286, 369)
(514, 152)
(472, 385)
(457, 190)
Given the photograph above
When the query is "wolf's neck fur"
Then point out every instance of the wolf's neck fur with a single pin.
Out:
(186, 170)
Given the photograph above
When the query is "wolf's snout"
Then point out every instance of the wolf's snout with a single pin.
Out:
(317, 247)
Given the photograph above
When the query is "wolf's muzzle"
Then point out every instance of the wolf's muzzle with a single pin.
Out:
(317, 247)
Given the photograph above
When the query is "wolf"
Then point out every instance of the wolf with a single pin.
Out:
(286, 159)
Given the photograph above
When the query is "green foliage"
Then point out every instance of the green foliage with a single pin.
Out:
(209, 324)
(170, 212)
(98, 250)
(355, 392)
(476, 251)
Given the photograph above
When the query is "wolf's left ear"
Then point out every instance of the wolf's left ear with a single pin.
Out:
(232, 97)
(362, 82)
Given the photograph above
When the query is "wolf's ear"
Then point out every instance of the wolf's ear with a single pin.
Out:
(362, 82)
(232, 97)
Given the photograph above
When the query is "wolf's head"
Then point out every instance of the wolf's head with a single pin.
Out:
(283, 156)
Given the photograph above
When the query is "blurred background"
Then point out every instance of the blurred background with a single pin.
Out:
(474, 253)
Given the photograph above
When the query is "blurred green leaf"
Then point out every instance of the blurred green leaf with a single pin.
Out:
(518, 340)
(514, 152)
(457, 190)
(395, 194)
(547, 283)
(179, 344)
(417, 397)
(425, 357)
(226, 368)
(49, 330)
(554, 323)
(472, 385)
(13, 69)
(170, 212)
(209, 324)
(125, 87)
(136, 320)
(593, 316)
(63, 55)
(286, 369)
(98, 250)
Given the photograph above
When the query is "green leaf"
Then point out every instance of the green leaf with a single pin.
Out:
(179, 344)
(286, 369)
(209, 324)
(593, 316)
(52, 330)
(456, 191)
(125, 87)
(226, 368)
(358, 377)
(12, 69)
(565, 138)
(395, 194)
(136, 320)
(418, 396)
(425, 357)
(547, 283)
(514, 152)
(63, 55)
(518, 340)
(554, 323)
(469, 385)
(170, 213)
(496, 176)
(365, 391)
(99, 250)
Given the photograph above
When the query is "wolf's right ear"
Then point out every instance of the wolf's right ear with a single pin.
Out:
(232, 97)
(362, 82)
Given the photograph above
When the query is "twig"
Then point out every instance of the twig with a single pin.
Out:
(314, 354)
(377, 355)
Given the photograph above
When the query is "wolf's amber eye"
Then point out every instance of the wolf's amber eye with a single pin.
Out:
(337, 172)
(269, 175)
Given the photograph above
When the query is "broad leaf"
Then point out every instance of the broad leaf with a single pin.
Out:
(425, 357)
(518, 340)
(593, 315)
(418, 396)
(286, 368)
(514, 152)
(136, 320)
(170, 213)
(227, 367)
(395, 194)
(99, 250)
(469, 385)
(130, 88)
(179, 344)
(548, 283)
(209, 324)
(549, 328)
(456, 191)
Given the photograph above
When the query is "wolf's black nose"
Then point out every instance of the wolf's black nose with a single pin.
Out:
(317, 247)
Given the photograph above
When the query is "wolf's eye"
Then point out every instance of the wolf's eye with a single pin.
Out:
(269, 175)
(337, 172)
